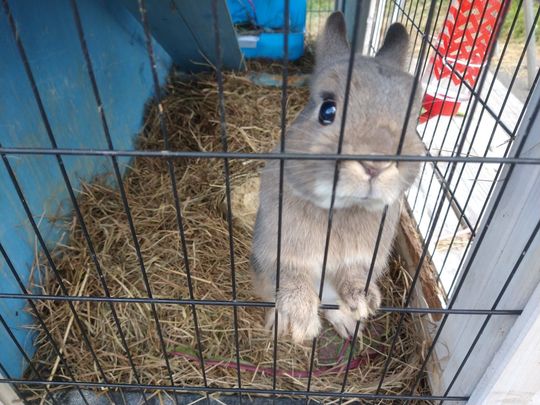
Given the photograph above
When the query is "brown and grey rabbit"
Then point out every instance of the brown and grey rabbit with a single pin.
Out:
(379, 96)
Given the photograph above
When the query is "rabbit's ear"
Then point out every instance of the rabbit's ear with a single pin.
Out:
(395, 46)
(333, 40)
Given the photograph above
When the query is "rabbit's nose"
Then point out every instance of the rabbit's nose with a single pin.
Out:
(373, 169)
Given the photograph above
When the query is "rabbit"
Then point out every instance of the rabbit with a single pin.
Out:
(379, 96)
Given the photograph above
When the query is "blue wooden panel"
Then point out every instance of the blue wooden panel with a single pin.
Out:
(116, 44)
(185, 30)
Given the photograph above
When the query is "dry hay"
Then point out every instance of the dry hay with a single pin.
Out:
(191, 115)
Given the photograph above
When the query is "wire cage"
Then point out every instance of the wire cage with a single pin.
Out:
(317, 13)
(465, 281)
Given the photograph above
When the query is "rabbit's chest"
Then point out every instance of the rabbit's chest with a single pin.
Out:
(351, 243)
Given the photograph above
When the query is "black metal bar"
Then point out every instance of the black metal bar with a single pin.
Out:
(411, 29)
(310, 13)
(106, 131)
(416, 11)
(406, 13)
(423, 53)
(283, 118)
(427, 192)
(451, 196)
(319, 15)
(226, 172)
(166, 154)
(417, 33)
(38, 316)
(374, 24)
(350, 69)
(444, 192)
(238, 303)
(368, 281)
(174, 189)
(376, 249)
(384, 25)
(253, 391)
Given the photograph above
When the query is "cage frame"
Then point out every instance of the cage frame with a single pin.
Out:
(508, 193)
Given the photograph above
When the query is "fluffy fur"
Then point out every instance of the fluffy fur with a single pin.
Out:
(378, 100)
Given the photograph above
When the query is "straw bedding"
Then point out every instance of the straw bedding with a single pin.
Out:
(192, 120)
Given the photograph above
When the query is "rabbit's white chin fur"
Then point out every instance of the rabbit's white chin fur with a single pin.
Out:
(372, 197)
(367, 203)
(374, 205)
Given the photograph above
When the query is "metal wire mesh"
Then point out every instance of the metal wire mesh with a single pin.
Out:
(442, 173)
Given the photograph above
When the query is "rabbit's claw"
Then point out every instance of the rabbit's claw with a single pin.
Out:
(343, 321)
(361, 304)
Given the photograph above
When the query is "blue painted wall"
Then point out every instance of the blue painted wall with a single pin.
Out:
(47, 29)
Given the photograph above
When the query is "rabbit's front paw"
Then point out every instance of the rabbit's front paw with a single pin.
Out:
(343, 321)
(361, 304)
(298, 312)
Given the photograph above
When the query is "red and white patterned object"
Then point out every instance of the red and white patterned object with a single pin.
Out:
(468, 33)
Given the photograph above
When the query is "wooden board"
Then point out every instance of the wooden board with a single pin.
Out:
(513, 375)
(426, 293)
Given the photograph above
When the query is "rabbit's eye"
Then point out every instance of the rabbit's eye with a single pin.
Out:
(327, 113)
